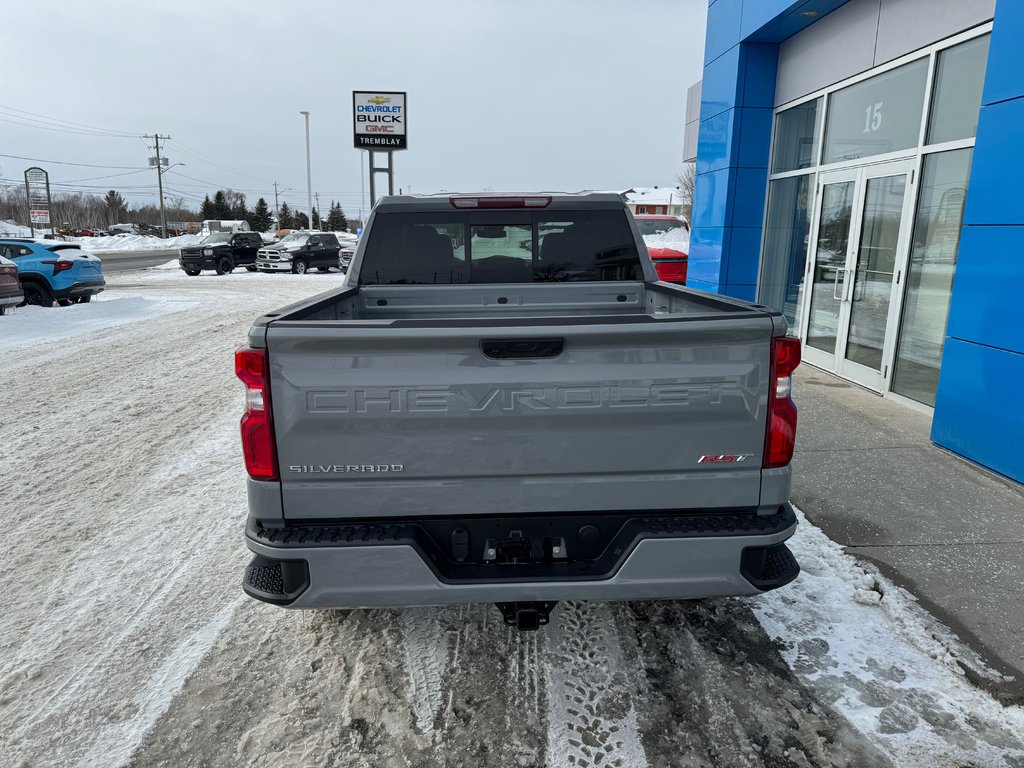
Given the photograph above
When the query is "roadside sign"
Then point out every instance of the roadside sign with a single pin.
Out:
(37, 193)
(379, 120)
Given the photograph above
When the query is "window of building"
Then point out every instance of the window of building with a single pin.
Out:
(940, 213)
(796, 137)
(785, 238)
(959, 79)
(877, 116)
(641, 209)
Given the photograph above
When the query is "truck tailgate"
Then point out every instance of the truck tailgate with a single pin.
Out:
(391, 422)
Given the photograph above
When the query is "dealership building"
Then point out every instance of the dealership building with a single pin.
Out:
(860, 167)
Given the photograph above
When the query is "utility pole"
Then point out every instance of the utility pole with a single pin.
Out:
(277, 215)
(159, 177)
(318, 211)
(309, 173)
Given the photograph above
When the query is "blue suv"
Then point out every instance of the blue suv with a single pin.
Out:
(50, 272)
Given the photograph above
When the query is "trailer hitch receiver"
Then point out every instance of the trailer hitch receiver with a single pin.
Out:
(526, 616)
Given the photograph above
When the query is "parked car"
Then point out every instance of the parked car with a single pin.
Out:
(49, 272)
(221, 252)
(10, 286)
(348, 250)
(300, 251)
(668, 242)
(503, 403)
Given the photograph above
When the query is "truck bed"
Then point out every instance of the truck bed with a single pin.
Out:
(590, 302)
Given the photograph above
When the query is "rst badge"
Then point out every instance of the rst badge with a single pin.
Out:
(725, 458)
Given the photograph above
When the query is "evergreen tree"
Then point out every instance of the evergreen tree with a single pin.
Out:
(336, 219)
(239, 211)
(260, 220)
(221, 208)
(206, 210)
(115, 206)
(317, 224)
(285, 220)
(301, 220)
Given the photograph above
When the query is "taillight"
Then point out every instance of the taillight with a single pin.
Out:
(500, 201)
(781, 432)
(60, 265)
(257, 425)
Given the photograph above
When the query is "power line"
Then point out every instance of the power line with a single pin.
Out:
(79, 165)
(123, 134)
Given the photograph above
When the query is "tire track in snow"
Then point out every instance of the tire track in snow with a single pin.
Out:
(591, 717)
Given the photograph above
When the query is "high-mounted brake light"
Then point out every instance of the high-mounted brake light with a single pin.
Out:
(780, 437)
(535, 201)
(59, 265)
(257, 423)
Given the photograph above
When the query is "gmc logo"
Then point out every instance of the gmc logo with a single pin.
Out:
(725, 458)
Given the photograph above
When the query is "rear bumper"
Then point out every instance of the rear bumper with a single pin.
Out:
(378, 565)
(90, 288)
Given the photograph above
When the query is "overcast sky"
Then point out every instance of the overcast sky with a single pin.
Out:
(503, 94)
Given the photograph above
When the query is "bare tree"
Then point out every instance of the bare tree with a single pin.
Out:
(687, 179)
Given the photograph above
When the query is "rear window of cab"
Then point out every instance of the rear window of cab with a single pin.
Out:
(499, 247)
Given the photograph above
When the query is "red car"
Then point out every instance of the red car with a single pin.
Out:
(668, 242)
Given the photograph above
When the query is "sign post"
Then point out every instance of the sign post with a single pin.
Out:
(379, 126)
(37, 191)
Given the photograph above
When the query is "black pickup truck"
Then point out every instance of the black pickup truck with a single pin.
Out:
(221, 252)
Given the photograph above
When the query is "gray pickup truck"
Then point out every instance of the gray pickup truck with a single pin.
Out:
(502, 404)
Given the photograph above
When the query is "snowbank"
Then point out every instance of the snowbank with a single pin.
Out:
(10, 229)
(28, 326)
(134, 242)
(893, 670)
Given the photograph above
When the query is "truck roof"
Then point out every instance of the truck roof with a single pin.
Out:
(558, 200)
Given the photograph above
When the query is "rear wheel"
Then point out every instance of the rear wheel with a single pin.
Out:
(37, 295)
(225, 265)
(63, 302)
(192, 272)
(323, 269)
(250, 268)
(299, 266)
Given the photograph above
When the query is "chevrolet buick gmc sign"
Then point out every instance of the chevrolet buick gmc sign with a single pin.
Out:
(378, 118)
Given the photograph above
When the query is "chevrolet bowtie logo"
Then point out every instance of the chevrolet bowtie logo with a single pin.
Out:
(379, 100)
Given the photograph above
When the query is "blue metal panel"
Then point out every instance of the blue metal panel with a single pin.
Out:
(750, 186)
(722, 84)
(745, 292)
(723, 28)
(755, 137)
(707, 247)
(717, 142)
(978, 412)
(1003, 80)
(712, 199)
(744, 253)
(994, 196)
(759, 70)
(700, 285)
(772, 21)
(985, 306)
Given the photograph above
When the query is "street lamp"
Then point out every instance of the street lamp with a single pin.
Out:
(309, 174)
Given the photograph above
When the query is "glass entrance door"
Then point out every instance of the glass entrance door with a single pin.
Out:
(860, 245)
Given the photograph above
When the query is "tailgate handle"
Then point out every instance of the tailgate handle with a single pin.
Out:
(511, 349)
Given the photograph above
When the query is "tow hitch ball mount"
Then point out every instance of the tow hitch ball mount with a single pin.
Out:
(526, 616)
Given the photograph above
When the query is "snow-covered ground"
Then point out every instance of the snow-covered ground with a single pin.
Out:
(126, 639)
